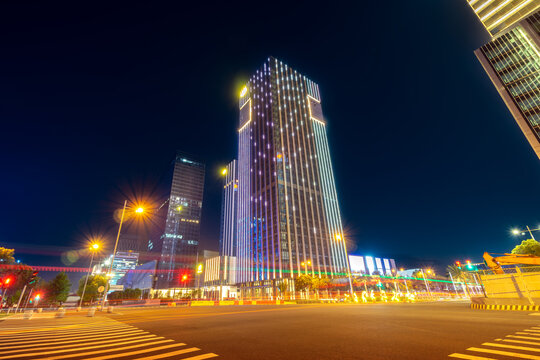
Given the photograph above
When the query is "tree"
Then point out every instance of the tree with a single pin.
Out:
(94, 282)
(303, 282)
(282, 287)
(7, 256)
(58, 289)
(528, 247)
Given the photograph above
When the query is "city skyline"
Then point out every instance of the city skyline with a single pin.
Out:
(406, 132)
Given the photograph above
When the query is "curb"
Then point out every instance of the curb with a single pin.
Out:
(506, 307)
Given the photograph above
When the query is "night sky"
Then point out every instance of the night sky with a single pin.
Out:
(430, 166)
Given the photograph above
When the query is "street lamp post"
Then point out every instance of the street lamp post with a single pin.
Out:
(522, 232)
(93, 249)
(425, 281)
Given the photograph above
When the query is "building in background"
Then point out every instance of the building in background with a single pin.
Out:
(180, 240)
(123, 262)
(288, 212)
(512, 58)
(368, 265)
(229, 205)
(141, 277)
(229, 224)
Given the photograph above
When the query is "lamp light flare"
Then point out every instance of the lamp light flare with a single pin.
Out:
(224, 172)
(139, 210)
(515, 231)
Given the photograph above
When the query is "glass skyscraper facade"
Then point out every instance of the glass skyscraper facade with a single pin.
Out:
(498, 15)
(288, 211)
(180, 240)
(512, 59)
(229, 206)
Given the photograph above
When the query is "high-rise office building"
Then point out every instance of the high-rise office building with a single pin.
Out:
(180, 240)
(229, 205)
(512, 59)
(289, 221)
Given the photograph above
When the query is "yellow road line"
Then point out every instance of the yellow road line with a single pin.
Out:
(91, 338)
(523, 337)
(463, 356)
(63, 326)
(129, 353)
(60, 332)
(526, 348)
(173, 353)
(78, 346)
(526, 333)
(86, 353)
(69, 335)
(201, 357)
(536, 331)
(81, 348)
(506, 353)
(522, 342)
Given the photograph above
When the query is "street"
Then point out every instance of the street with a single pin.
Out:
(321, 331)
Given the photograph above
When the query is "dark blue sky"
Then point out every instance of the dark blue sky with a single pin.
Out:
(94, 101)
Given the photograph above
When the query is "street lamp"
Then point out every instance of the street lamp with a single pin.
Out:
(93, 249)
(425, 281)
(139, 210)
(522, 232)
(338, 237)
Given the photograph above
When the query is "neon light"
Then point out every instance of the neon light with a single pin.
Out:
(489, 14)
(510, 13)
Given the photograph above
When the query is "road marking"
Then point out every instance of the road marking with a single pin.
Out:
(506, 353)
(523, 337)
(110, 339)
(199, 357)
(84, 348)
(173, 353)
(100, 333)
(522, 342)
(62, 341)
(526, 333)
(530, 330)
(138, 339)
(133, 352)
(526, 348)
(463, 356)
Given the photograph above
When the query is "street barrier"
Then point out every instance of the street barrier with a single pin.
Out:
(61, 313)
(28, 314)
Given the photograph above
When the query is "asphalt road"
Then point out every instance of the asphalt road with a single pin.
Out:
(340, 331)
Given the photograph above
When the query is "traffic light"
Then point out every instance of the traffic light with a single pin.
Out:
(458, 264)
(32, 279)
(469, 266)
(37, 297)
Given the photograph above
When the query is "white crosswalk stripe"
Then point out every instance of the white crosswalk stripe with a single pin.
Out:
(100, 339)
(523, 344)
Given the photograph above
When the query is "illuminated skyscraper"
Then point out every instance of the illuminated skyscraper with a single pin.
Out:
(289, 221)
(229, 205)
(512, 58)
(180, 241)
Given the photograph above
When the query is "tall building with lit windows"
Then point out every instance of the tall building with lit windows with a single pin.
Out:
(289, 222)
(229, 206)
(512, 58)
(180, 240)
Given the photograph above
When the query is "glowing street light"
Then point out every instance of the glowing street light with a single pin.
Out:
(139, 210)
(522, 232)
(224, 171)
(93, 249)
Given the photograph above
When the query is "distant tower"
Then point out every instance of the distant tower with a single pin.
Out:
(229, 205)
(180, 241)
(512, 58)
(289, 222)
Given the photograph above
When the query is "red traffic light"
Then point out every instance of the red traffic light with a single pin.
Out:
(468, 261)
(458, 263)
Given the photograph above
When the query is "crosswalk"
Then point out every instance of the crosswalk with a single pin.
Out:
(98, 340)
(523, 344)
